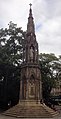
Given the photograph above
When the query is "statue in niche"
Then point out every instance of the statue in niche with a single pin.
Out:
(31, 53)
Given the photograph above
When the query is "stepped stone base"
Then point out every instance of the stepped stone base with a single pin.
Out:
(31, 109)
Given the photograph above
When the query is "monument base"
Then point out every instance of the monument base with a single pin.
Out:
(31, 109)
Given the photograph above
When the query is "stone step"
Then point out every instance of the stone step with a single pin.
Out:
(34, 110)
(53, 112)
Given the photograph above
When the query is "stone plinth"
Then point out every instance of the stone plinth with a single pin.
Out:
(31, 109)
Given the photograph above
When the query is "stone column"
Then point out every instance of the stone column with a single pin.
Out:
(27, 90)
(36, 86)
(40, 90)
(20, 90)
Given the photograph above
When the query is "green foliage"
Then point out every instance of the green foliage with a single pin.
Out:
(50, 66)
(11, 41)
(11, 46)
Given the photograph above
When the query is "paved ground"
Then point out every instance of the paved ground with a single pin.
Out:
(8, 117)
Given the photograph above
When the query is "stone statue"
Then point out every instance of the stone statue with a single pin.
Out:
(31, 53)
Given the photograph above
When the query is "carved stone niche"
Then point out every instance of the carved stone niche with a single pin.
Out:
(32, 87)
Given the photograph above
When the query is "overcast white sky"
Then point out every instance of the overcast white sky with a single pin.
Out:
(47, 19)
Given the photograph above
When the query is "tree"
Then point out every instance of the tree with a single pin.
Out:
(47, 73)
(11, 41)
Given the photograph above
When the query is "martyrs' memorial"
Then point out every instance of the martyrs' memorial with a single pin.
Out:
(30, 84)
(31, 100)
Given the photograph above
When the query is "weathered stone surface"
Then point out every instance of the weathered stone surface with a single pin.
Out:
(30, 84)
(31, 109)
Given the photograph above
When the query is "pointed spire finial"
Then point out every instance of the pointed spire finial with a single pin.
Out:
(30, 5)
(30, 25)
(30, 13)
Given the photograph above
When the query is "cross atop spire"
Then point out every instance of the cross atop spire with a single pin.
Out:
(30, 14)
(30, 25)
(30, 5)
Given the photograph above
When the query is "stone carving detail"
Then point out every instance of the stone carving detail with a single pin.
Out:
(31, 53)
(32, 87)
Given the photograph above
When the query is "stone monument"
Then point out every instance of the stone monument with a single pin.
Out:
(30, 102)
(30, 83)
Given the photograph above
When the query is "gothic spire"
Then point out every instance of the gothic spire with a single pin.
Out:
(30, 12)
(30, 25)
